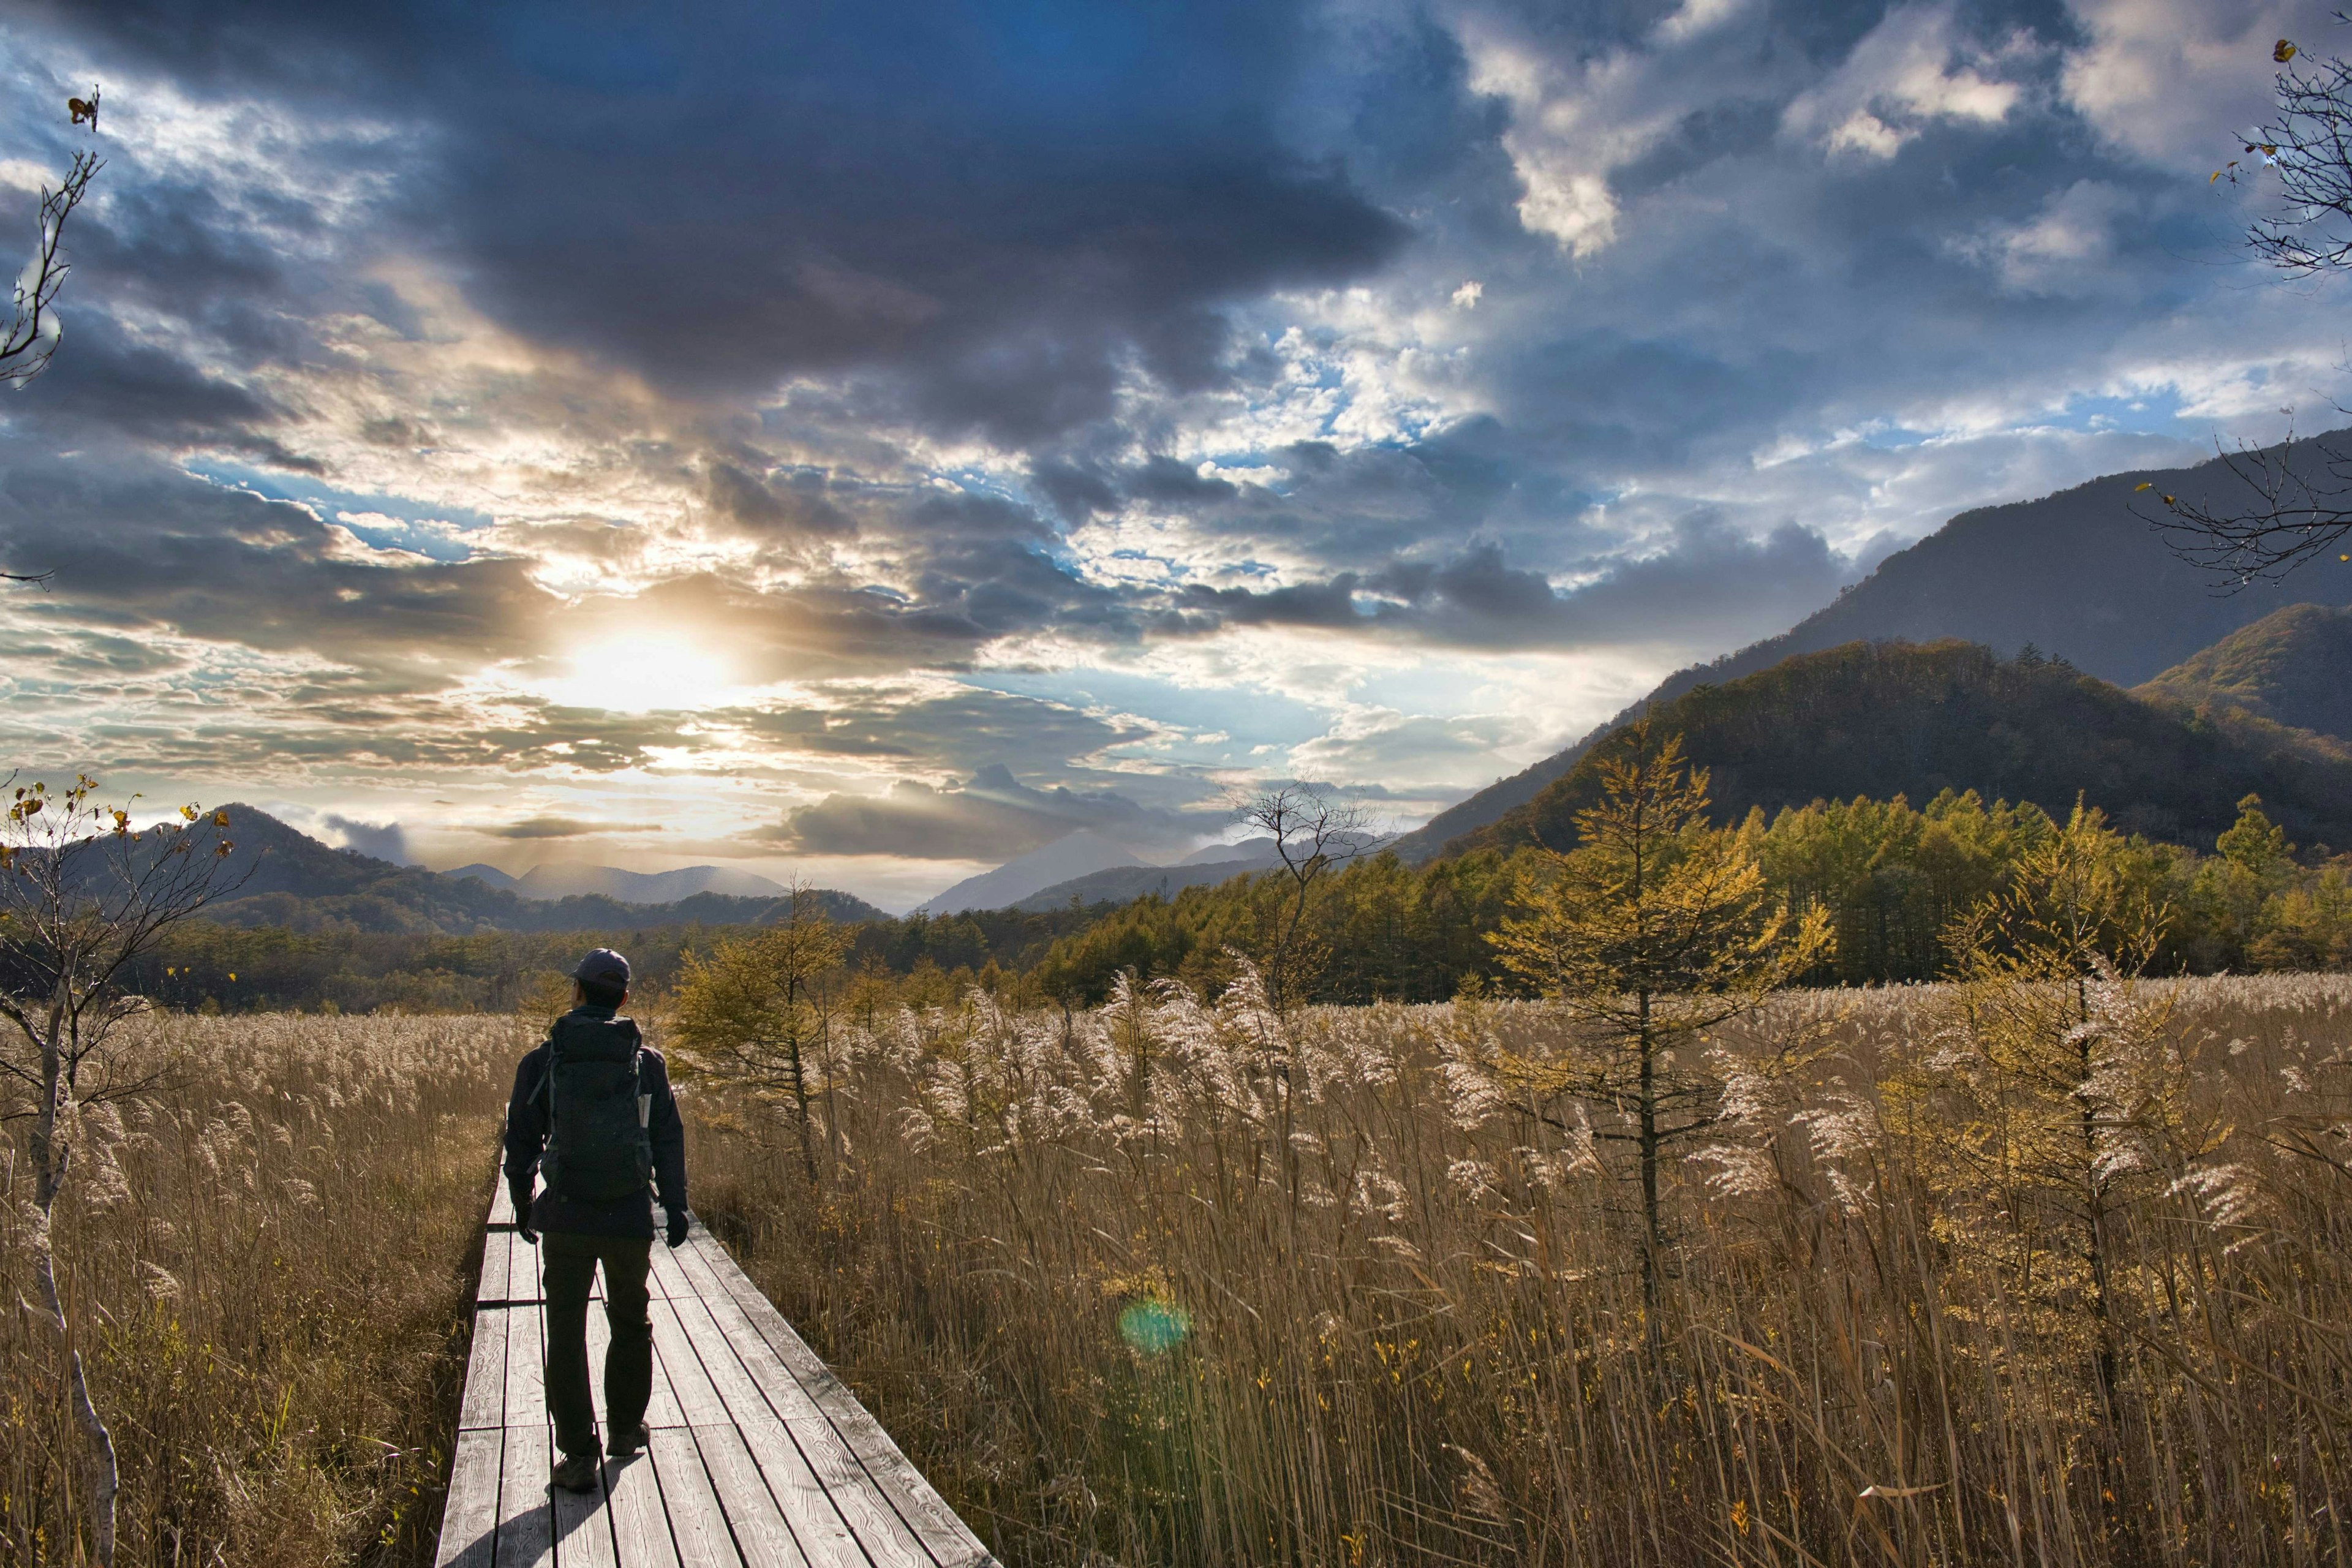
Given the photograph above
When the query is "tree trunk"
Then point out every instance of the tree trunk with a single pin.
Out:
(51, 1156)
(1651, 1238)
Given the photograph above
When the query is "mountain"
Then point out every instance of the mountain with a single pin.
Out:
(2293, 666)
(1124, 884)
(481, 871)
(291, 879)
(1072, 855)
(1254, 850)
(2076, 574)
(565, 881)
(1886, 719)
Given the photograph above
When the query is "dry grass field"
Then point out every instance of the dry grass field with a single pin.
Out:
(271, 1257)
(1174, 1283)
(1927, 1297)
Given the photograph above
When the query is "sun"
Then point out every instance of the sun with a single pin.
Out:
(643, 672)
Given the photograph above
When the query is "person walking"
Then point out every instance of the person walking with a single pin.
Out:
(593, 1113)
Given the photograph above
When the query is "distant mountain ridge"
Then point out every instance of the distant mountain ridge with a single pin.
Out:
(1879, 720)
(1202, 868)
(564, 881)
(292, 880)
(2076, 574)
(1073, 855)
(2293, 666)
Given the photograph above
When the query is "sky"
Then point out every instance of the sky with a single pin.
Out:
(868, 443)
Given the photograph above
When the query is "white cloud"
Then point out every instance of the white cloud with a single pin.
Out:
(1909, 72)
(2178, 82)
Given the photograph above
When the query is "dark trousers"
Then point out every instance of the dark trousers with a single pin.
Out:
(570, 1262)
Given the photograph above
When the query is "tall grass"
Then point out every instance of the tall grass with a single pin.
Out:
(1117, 1318)
(270, 1260)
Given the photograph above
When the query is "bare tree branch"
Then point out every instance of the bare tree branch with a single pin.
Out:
(2295, 500)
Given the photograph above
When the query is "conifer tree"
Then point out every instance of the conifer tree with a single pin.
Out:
(1654, 929)
(749, 1014)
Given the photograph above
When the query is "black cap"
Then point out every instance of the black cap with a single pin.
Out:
(603, 967)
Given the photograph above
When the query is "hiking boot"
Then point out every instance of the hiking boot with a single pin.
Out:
(576, 1472)
(627, 1441)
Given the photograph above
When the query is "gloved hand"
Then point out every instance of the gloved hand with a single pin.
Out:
(677, 1223)
(529, 1236)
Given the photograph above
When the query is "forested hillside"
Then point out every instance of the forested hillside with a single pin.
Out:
(291, 880)
(1895, 718)
(2293, 666)
(2078, 574)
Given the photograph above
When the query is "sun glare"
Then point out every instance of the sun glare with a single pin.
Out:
(640, 673)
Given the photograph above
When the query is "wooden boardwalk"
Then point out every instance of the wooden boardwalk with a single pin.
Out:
(760, 1455)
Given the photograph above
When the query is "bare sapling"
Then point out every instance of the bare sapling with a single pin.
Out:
(83, 895)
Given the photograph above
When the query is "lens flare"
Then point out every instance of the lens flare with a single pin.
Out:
(1153, 1327)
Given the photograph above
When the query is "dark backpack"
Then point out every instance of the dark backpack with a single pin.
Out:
(598, 1148)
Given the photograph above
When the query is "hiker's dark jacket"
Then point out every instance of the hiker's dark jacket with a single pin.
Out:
(527, 1140)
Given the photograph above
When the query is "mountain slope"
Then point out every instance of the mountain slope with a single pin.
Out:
(2076, 574)
(1888, 718)
(1071, 856)
(2293, 666)
(1124, 884)
(292, 880)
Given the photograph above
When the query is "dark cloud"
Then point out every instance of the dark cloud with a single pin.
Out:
(543, 828)
(992, 818)
(997, 208)
(1715, 582)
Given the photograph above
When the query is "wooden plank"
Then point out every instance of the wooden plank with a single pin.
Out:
(640, 1530)
(662, 1409)
(493, 1286)
(526, 1523)
(469, 1515)
(502, 1215)
(696, 1525)
(583, 1527)
(698, 1402)
(526, 1270)
(731, 1292)
(760, 1533)
(484, 1403)
(664, 1276)
(526, 1368)
(824, 1524)
(750, 1320)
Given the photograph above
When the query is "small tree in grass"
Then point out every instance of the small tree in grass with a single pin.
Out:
(750, 1013)
(83, 897)
(1654, 929)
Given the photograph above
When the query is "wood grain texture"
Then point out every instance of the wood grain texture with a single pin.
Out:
(469, 1518)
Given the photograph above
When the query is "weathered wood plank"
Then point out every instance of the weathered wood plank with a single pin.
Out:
(526, 1399)
(526, 1269)
(944, 1535)
(502, 1215)
(640, 1530)
(664, 1276)
(485, 1401)
(526, 1523)
(696, 1401)
(760, 1533)
(696, 1525)
(469, 1516)
(824, 1524)
(494, 1265)
(583, 1527)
